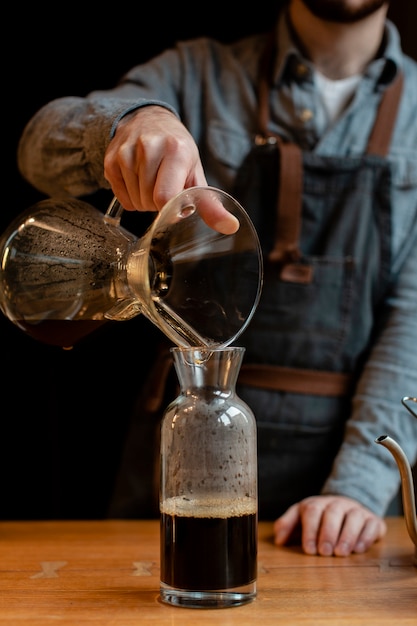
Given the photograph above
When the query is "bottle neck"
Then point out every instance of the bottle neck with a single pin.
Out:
(203, 368)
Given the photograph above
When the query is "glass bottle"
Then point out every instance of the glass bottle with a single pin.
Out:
(208, 484)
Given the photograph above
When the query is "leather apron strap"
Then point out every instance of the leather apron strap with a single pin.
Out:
(286, 250)
(295, 380)
(288, 227)
(380, 138)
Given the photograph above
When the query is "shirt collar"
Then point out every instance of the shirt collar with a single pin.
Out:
(288, 55)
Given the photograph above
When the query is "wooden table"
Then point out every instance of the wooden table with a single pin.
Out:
(106, 573)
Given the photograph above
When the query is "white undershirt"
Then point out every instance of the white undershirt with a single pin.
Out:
(335, 94)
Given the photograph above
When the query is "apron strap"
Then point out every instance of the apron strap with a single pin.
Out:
(288, 227)
(286, 249)
(295, 380)
(380, 138)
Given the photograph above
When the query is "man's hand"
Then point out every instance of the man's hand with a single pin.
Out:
(151, 158)
(330, 525)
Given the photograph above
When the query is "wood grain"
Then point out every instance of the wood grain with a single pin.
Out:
(106, 573)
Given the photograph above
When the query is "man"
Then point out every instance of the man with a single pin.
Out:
(312, 128)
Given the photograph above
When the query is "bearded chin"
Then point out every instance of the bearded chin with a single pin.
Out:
(341, 11)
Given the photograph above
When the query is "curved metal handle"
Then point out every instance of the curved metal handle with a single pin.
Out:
(404, 401)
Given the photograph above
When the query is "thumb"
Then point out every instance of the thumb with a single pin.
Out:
(287, 526)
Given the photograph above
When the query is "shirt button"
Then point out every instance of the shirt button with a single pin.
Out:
(301, 70)
(306, 115)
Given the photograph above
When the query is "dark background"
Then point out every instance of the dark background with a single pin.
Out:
(63, 414)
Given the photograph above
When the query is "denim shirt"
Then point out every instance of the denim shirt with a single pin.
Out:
(212, 88)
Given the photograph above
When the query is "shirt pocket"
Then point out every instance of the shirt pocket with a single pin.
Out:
(404, 169)
(403, 166)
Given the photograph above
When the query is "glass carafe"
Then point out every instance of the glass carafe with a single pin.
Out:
(65, 268)
(208, 485)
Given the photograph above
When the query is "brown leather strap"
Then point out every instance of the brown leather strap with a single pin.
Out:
(286, 250)
(380, 138)
(295, 380)
(288, 223)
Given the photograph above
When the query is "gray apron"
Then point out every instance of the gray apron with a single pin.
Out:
(324, 226)
(325, 230)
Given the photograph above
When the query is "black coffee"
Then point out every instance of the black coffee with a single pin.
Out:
(208, 553)
(63, 333)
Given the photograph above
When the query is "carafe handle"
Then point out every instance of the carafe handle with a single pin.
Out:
(114, 212)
